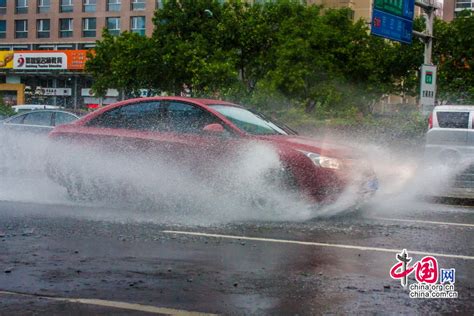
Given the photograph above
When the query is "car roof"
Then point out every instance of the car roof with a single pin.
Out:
(41, 111)
(454, 108)
(35, 106)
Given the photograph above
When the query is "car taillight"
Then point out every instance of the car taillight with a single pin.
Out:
(430, 121)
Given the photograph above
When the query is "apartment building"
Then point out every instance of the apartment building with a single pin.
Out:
(452, 8)
(43, 45)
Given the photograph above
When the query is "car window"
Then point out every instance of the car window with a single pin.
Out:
(186, 118)
(63, 118)
(453, 119)
(38, 118)
(16, 120)
(248, 121)
(142, 116)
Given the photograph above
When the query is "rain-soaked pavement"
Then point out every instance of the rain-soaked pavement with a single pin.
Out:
(55, 251)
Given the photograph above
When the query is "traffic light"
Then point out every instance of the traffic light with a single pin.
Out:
(429, 77)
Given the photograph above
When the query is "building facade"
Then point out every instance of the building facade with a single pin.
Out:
(452, 8)
(52, 37)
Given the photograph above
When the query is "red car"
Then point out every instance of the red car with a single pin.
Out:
(203, 131)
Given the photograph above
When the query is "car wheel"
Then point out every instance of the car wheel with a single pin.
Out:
(76, 189)
(276, 182)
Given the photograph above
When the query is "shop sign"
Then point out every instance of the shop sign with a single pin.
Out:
(39, 61)
(6, 59)
(110, 93)
(57, 91)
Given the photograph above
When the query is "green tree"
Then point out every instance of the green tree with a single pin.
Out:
(5, 110)
(454, 55)
(187, 39)
(126, 62)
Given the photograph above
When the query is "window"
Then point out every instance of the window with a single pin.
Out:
(89, 26)
(21, 6)
(154, 116)
(43, 27)
(21, 28)
(453, 119)
(186, 118)
(137, 5)
(248, 121)
(66, 6)
(3, 6)
(89, 6)
(113, 25)
(63, 118)
(463, 4)
(44, 6)
(113, 5)
(16, 119)
(3, 28)
(141, 116)
(38, 118)
(65, 27)
(159, 4)
(137, 24)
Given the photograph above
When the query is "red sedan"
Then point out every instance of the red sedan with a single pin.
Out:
(200, 132)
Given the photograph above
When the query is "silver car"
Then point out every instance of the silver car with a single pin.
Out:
(37, 121)
(450, 138)
(450, 142)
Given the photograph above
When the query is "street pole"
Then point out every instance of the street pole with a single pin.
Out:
(428, 7)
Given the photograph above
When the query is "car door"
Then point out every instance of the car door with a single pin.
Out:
(188, 144)
(124, 128)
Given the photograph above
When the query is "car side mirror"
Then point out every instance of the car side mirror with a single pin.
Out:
(214, 128)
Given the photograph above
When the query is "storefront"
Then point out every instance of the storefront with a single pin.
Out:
(48, 77)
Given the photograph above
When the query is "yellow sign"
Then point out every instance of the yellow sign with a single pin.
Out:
(6, 59)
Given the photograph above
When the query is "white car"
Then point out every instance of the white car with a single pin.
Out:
(450, 142)
(31, 107)
(450, 138)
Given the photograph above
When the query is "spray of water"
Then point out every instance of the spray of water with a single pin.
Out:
(145, 186)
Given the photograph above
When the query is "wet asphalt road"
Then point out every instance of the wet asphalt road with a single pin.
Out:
(73, 251)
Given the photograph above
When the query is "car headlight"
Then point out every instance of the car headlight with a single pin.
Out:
(323, 161)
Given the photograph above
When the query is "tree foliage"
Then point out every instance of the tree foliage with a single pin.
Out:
(279, 52)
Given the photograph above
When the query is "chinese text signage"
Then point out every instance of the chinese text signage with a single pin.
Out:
(393, 19)
(428, 87)
(43, 60)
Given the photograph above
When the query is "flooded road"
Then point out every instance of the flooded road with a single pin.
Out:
(337, 265)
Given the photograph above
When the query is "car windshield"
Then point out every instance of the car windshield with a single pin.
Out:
(250, 122)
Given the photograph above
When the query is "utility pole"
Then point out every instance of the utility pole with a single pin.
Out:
(428, 84)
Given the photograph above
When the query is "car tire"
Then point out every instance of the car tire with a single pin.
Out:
(276, 180)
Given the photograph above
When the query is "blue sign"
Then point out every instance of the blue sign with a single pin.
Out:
(408, 9)
(391, 26)
(403, 8)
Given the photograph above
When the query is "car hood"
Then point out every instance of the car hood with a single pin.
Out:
(321, 147)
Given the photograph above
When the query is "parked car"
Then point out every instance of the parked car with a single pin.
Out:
(38, 121)
(450, 138)
(450, 142)
(199, 133)
(31, 107)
